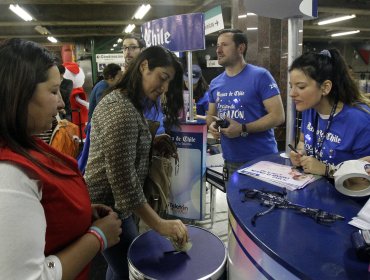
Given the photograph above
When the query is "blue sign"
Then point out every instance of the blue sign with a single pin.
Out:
(176, 33)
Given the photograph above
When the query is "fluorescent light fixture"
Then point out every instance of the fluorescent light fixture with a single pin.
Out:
(52, 39)
(245, 15)
(20, 12)
(114, 45)
(42, 30)
(252, 28)
(129, 28)
(141, 11)
(345, 33)
(112, 49)
(119, 40)
(332, 20)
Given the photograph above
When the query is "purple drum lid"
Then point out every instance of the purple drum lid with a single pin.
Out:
(148, 260)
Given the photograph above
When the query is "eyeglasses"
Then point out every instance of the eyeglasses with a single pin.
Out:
(130, 48)
(276, 200)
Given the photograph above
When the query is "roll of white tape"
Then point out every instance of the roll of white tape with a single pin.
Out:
(353, 178)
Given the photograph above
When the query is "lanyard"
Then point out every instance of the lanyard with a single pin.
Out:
(320, 141)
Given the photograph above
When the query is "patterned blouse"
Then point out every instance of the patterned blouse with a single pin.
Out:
(118, 161)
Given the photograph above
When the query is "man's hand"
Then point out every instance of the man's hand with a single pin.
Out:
(233, 130)
(213, 129)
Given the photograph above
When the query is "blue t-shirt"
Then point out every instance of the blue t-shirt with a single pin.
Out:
(348, 136)
(96, 95)
(202, 104)
(156, 115)
(241, 98)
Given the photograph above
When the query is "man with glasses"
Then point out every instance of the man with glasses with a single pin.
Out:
(132, 45)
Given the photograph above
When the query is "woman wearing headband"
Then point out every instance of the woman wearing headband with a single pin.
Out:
(335, 115)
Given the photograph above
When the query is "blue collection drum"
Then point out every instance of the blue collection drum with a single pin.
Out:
(152, 256)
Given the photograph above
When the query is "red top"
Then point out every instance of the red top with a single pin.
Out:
(65, 198)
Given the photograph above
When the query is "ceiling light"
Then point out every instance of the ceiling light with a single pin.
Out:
(52, 39)
(252, 28)
(141, 11)
(119, 40)
(345, 33)
(327, 21)
(114, 45)
(129, 28)
(42, 30)
(20, 12)
(245, 15)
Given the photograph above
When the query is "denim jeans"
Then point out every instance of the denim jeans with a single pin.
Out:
(116, 256)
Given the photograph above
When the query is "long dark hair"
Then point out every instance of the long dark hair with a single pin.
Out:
(330, 65)
(23, 65)
(131, 82)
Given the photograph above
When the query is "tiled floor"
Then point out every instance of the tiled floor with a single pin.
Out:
(219, 228)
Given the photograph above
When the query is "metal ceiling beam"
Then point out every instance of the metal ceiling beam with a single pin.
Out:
(68, 23)
(332, 10)
(104, 2)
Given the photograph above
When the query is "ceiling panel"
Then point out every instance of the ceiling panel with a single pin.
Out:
(78, 20)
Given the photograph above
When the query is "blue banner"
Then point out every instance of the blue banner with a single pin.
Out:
(177, 33)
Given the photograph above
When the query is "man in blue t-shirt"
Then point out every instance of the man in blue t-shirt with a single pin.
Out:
(248, 97)
(112, 74)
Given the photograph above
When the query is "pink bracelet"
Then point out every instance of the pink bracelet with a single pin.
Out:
(97, 235)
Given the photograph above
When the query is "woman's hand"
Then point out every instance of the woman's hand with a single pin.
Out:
(100, 211)
(164, 146)
(295, 158)
(111, 226)
(312, 165)
(175, 230)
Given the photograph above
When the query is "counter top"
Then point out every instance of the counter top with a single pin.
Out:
(306, 249)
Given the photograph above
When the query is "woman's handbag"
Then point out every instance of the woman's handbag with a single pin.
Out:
(157, 186)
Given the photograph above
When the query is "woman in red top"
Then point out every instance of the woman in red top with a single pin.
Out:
(48, 228)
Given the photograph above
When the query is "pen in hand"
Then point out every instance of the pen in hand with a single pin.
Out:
(292, 148)
(299, 168)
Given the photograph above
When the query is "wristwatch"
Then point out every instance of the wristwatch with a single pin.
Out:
(244, 132)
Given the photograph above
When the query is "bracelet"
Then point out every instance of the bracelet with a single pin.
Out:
(101, 241)
(101, 233)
